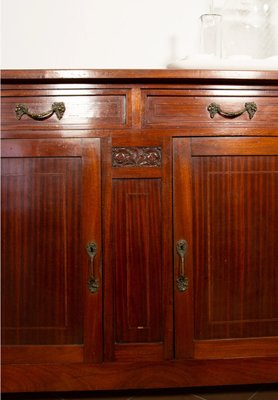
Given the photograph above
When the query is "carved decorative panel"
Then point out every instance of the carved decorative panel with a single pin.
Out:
(136, 156)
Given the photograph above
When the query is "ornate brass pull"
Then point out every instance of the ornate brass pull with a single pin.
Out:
(56, 108)
(93, 283)
(214, 108)
(182, 280)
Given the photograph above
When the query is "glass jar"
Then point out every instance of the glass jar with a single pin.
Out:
(247, 27)
(211, 34)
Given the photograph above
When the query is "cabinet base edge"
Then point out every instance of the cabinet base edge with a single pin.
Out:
(144, 375)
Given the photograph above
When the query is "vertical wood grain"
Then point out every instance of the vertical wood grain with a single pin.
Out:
(138, 320)
(91, 229)
(137, 245)
(182, 171)
(40, 202)
(236, 247)
(50, 210)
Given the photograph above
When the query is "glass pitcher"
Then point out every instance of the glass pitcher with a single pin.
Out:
(247, 27)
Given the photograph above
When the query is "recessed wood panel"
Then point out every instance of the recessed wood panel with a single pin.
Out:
(98, 108)
(236, 247)
(180, 108)
(137, 260)
(41, 275)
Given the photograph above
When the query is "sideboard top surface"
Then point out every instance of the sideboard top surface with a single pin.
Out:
(136, 74)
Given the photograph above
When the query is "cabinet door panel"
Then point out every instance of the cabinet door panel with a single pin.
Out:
(43, 265)
(137, 241)
(236, 252)
(137, 264)
(233, 220)
(40, 202)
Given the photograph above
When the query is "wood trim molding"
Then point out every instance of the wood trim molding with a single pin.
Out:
(136, 74)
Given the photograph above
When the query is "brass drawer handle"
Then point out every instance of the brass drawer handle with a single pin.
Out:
(93, 283)
(214, 108)
(56, 108)
(182, 280)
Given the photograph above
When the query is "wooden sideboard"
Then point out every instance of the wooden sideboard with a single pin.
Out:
(139, 229)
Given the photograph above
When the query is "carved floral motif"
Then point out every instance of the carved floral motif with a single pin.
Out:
(136, 156)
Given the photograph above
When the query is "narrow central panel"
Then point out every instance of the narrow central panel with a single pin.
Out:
(137, 242)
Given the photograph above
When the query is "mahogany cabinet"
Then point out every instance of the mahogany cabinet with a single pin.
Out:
(139, 229)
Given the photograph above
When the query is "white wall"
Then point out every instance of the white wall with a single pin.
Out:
(274, 25)
(98, 33)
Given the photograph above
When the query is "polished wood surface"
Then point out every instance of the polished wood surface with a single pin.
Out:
(140, 266)
(135, 165)
(97, 108)
(235, 251)
(136, 74)
(168, 108)
(40, 354)
(40, 264)
(137, 265)
(182, 207)
(139, 375)
(43, 267)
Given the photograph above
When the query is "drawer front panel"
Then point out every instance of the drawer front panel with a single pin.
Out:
(96, 109)
(178, 108)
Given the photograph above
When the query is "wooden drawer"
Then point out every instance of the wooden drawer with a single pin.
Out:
(95, 108)
(179, 108)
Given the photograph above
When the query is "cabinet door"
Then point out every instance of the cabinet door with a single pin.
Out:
(50, 211)
(138, 271)
(226, 207)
